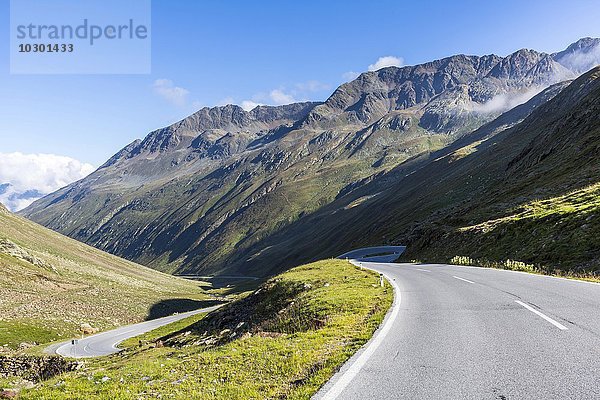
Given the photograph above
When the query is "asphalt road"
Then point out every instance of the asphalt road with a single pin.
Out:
(473, 333)
(105, 343)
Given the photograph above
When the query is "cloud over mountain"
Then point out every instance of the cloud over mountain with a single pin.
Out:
(26, 177)
(173, 94)
(387, 61)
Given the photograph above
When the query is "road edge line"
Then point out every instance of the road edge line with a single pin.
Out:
(342, 379)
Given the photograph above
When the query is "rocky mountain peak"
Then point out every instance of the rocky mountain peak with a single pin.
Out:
(516, 65)
(580, 56)
(229, 125)
(374, 94)
(584, 45)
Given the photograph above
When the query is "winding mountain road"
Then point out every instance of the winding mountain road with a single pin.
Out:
(105, 343)
(474, 333)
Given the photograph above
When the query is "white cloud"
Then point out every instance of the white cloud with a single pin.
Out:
(301, 91)
(505, 101)
(387, 61)
(582, 61)
(350, 76)
(173, 94)
(279, 97)
(382, 62)
(30, 176)
(274, 97)
(249, 105)
(312, 86)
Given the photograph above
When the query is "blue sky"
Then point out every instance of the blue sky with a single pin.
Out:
(206, 53)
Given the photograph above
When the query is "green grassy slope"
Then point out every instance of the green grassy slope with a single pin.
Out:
(50, 284)
(556, 235)
(283, 341)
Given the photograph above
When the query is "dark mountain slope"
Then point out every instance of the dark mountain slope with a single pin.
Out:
(529, 193)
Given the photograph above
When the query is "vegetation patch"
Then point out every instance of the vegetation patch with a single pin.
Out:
(554, 236)
(505, 264)
(158, 333)
(21, 334)
(285, 340)
(520, 266)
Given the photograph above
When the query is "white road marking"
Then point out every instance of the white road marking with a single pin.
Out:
(126, 332)
(572, 280)
(462, 279)
(547, 318)
(355, 368)
(424, 270)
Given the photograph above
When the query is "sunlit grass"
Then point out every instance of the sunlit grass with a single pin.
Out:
(50, 284)
(257, 364)
(555, 236)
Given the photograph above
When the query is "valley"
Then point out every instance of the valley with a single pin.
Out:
(51, 284)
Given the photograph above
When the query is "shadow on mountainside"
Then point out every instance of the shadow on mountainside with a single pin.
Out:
(168, 307)
(446, 206)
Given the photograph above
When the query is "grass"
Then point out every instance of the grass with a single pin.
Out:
(504, 264)
(13, 333)
(50, 284)
(285, 340)
(554, 236)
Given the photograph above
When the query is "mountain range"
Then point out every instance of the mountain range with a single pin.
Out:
(419, 155)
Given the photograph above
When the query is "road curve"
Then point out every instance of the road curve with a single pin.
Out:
(477, 333)
(105, 343)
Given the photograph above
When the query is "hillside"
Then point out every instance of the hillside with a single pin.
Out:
(50, 284)
(542, 207)
(285, 340)
(215, 186)
(527, 193)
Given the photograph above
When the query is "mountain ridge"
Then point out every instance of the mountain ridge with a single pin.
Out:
(523, 194)
(191, 195)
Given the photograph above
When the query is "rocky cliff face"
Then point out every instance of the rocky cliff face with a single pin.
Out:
(213, 133)
(191, 195)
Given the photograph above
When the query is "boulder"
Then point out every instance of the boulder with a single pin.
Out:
(87, 329)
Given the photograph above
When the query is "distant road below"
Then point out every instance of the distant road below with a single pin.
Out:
(235, 277)
(475, 333)
(102, 344)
